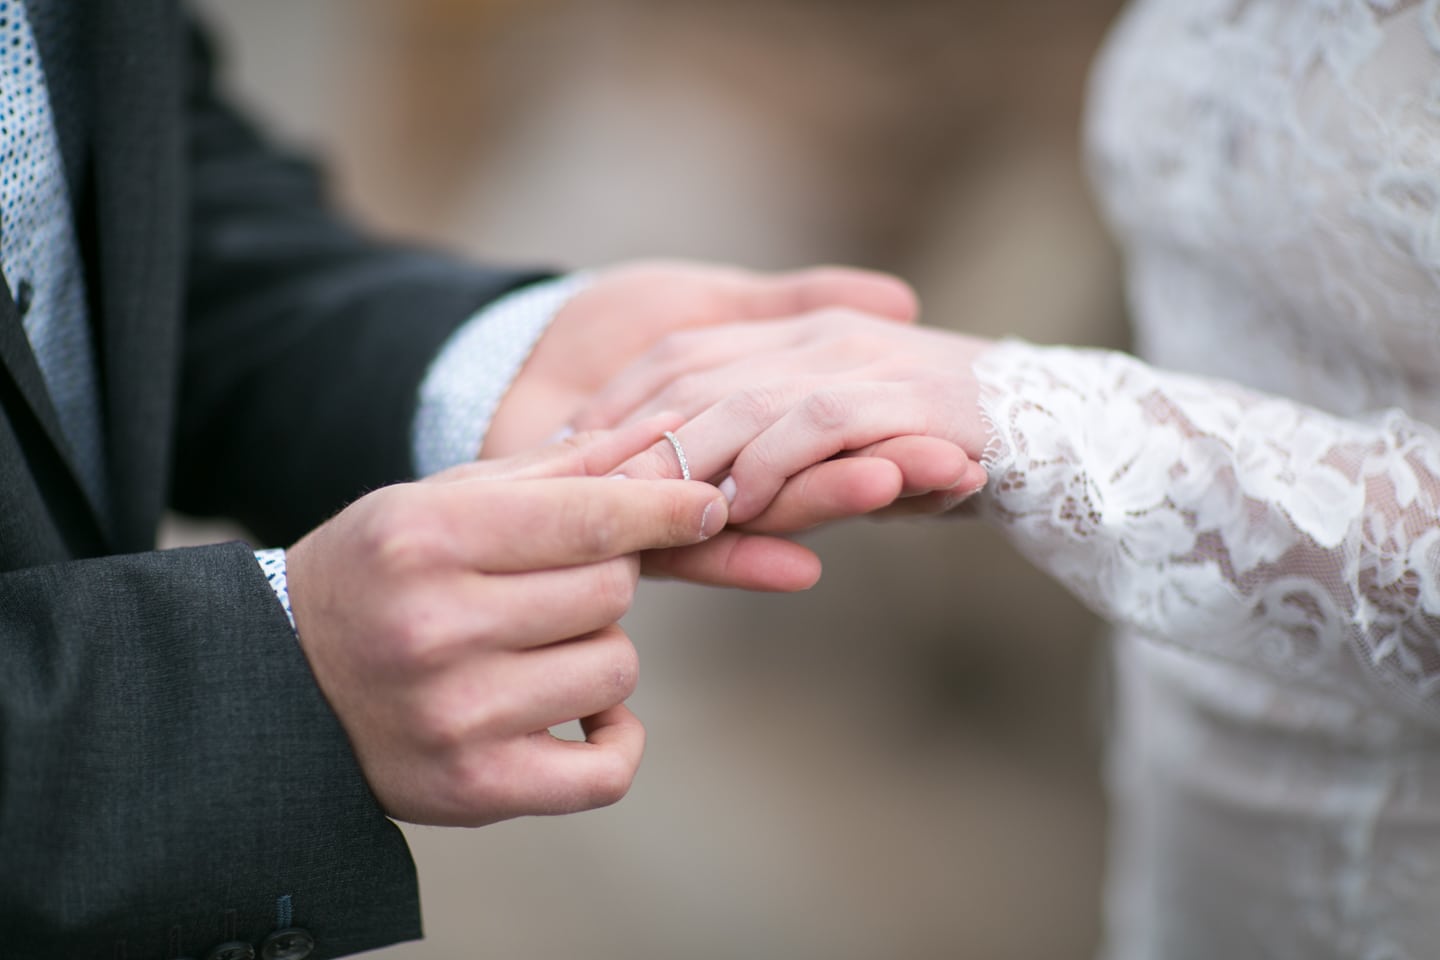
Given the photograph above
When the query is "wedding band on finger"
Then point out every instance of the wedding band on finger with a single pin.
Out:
(679, 454)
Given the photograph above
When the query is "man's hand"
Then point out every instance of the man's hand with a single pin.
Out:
(451, 623)
(629, 308)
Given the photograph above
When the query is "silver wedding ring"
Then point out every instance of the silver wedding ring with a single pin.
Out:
(679, 455)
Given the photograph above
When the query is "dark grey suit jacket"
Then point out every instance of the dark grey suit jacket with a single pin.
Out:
(170, 776)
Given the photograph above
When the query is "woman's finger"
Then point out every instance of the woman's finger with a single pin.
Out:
(590, 453)
(686, 354)
(830, 491)
(927, 464)
(740, 560)
(831, 420)
(712, 439)
(795, 292)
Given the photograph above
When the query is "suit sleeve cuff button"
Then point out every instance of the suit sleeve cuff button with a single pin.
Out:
(292, 943)
(233, 950)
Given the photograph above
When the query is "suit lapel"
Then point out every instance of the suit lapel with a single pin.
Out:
(17, 357)
(19, 362)
(137, 255)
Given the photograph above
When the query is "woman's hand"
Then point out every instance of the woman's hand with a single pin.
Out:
(628, 308)
(776, 404)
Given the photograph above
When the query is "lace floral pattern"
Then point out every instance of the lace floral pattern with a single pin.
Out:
(1236, 525)
(1257, 504)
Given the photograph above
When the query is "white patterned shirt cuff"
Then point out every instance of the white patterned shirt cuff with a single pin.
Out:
(272, 564)
(464, 385)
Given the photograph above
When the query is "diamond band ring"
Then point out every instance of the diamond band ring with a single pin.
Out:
(679, 454)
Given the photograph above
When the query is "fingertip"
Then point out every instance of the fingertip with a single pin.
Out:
(964, 492)
(943, 467)
(774, 565)
(660, 422)
(976, 474)
(714, 516)
(646, 432)
(974, 479)
(615, 725)
(873, 483)
(616, 739)
(845, 487)
(740, 560)
(677, 513)
(870, 291)
(927, 463)
(655, 462)
(896, 299)
(598, 417)
(802, 576)
(815, 288)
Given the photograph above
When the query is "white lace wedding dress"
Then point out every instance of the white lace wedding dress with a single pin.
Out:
(1264, 526)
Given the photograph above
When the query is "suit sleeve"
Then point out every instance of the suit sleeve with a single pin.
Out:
(172, 777)
(305, 341)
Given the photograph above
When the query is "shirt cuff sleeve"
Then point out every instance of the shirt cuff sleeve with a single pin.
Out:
(474, 368)
(272, 564)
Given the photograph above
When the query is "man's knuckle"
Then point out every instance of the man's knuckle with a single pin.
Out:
(468, 717)
(414, 644)
(418, 635)
(401, 536)
(488, 624)
(610, 780)
(477, 784)
(496, 712)
(624, 674)
(441, 726)
(613, 590)
(596, 526)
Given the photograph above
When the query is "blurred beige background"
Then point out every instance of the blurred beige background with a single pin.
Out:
(902, 763)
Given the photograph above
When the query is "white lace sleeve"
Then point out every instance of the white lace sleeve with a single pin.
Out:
(1230, 523)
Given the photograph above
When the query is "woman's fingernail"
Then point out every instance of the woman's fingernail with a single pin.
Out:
(954, 498)
(619, 476)
(727, 487)
(561, 434)
(712, 521)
